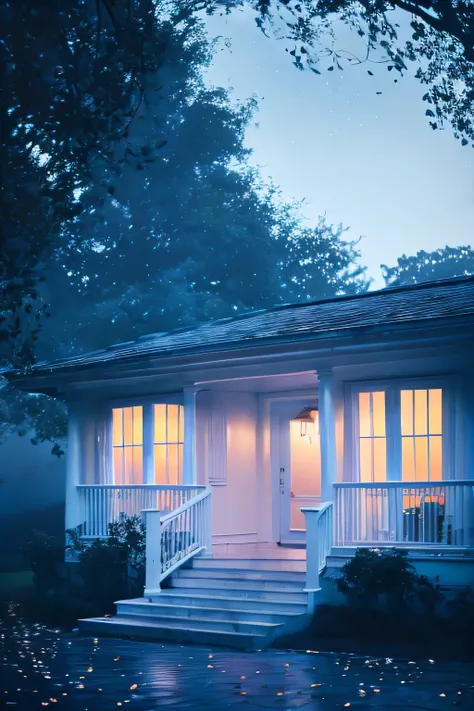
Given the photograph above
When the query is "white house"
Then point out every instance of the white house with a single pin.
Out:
(264, 448)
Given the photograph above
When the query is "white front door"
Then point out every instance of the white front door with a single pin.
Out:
(299, 472)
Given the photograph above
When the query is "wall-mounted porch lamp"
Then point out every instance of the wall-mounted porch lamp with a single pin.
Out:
(309, 415)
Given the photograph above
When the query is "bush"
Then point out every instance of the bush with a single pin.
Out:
(114, 567)
(385, 578)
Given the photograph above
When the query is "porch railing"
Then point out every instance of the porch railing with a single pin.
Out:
(412, 513)
(104, 504)
(319, 542)
(173, 539)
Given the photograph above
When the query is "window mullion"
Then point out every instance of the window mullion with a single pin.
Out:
(393, 431)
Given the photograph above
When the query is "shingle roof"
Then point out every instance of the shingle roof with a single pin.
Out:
(430, 301)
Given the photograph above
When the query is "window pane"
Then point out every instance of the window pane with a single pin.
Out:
(159, 451)
(436, 458)
(173, 423)
(406, 405)
(380, 459)
(181, 423)
(421, 412)
(180, 464)
(378, 414)
(137, 425)
(128, 452)
(137, 465)
(173, 464)
(436, 412)
(117, 438)
(365, 459)
(364, 415)
(127, 426)
(118, 466)
(421, 458)
(408, 459)
(159, 423)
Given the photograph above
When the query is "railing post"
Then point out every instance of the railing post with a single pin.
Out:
(153, 551)
(312, 554)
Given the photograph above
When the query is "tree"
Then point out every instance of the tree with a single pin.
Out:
(72, 85)
(428, 266)
(172, 236)
(74, 89)
(441, 43)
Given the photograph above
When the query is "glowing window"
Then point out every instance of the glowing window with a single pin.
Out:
(422, 434)
(127, 445)
(168, 442)
(372, 437)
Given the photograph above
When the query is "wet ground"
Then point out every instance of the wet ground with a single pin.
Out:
(42, 668)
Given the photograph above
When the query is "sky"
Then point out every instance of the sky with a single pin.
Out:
(369, 161)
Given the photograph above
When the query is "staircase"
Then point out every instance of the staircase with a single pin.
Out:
(244, 603)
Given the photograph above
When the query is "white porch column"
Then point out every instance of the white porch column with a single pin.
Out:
(327, 429)
(153, 551)
(189, 456)
(74, 514)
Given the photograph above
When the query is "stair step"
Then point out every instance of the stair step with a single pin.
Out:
(148, 629)
(237, 589)
(205, 623)
(272, 564)
(144, 608)
(241, 574)
(223, 584)
(201, 598)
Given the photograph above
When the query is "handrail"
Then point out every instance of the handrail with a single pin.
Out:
(402, 484)
(155, 487)
(426, 513)
(104, 504)
(184, 507)
(176, 537)
(319, 540)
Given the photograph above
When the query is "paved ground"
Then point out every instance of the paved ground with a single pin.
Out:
(44, 668)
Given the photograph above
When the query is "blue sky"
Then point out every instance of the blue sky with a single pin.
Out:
(369, 161)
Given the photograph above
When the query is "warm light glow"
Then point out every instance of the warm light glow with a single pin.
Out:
(127, 443)
(168, 433)
(372, 437)
(421, 426)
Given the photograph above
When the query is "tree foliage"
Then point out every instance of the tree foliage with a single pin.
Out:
(428, 266)
(435, 36)
(173, 225)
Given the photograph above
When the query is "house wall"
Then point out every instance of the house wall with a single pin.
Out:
(226, 460)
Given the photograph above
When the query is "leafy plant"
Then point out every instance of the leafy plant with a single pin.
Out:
(376, 575)
(114, 567)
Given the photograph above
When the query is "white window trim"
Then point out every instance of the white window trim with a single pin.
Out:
(449, 385)
(146, 403)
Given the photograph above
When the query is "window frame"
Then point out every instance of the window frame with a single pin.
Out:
(392, 388)
(146, 402)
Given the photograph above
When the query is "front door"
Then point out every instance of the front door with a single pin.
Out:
(299, 471)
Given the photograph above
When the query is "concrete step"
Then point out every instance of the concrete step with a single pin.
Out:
(241, 574)
(272, 564)
(238, 589)
(227, 583)
(206, 623)
(143, 608)
(146, 628)
(202, 598)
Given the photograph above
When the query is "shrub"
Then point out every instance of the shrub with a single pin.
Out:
(385, 577)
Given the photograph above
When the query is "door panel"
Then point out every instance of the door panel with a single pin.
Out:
(300, 476)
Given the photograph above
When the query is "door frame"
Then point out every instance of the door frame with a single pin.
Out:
(282, 411)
